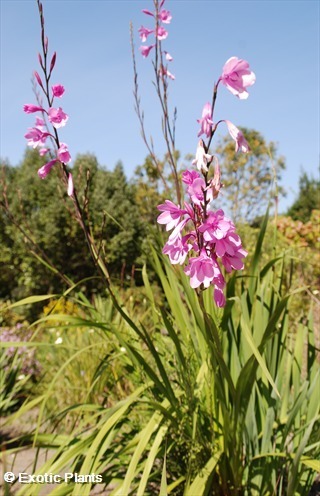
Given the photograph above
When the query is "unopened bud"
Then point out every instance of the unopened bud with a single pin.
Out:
(36, 75)
(46, 44)
(40, 60)
(53, 61)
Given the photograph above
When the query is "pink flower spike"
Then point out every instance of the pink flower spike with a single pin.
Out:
(237, 76)
(237, 135)
(70, 185)
(63, 153)
(45, 169)
(165, 16)
(58, 90)
(206, 122)
(30, 109)
(162, 33)
(57, 117)
(144, 33)
(168, 57)
(145, 50)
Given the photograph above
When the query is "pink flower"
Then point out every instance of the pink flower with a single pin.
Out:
(57, 117)
(43, 151)
(216, 180)
(202, 159)
(189, 176)
(63, 153)
(30, 109)
(70, 185)
(237, 76)
(216, 226)
(144, 33)
(237, 135)
(45, 169)
(145, 50)
(201, 270)
(235, 261)
(58, 90)
(40, 124)
(196, 191)
(177, 251)
(168, 56)
(165, 16)
(162, 33)
(35, 137)
(206, 122)
(171, 214)
(219, 297)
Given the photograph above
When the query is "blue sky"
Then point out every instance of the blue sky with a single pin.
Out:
(280, 39)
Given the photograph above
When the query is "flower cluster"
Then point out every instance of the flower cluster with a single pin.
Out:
(161, 16)
(211, 241)
(38, 135)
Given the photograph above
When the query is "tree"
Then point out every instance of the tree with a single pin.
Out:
(248, 178)
(308, 199)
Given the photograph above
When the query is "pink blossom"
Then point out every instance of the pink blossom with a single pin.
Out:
(219, 297)
(237, 135)
(43, 151)
(202, 159)
(145, 50)
(70, 185)
(206, 122)
(144, 33)
(235, 261)
(165, 16)
(171, 214)
(177, 230)
(196, 191)
(164, 72)
(45, 169)
(40, 124)
(63, 153)
(216, 226)
(201, 270)
(177, 251)
(57, 117)
(237, 76)
(58, 90)
(35, 137)
(30, 109)
(162, 33)
(216, 181)
(189, 176)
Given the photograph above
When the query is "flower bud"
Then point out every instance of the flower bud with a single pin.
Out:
(36, 75)
(53, 61)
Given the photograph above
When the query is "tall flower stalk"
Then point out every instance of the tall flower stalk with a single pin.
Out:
(211, 240)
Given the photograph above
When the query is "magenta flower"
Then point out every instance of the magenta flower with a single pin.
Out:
(216, 226)
(35, 137)
(43, 151)
(57, 117)
(196, 191)
(201, 270)
(144, 33)
(58, 90)
(171, 214)
(162, 33)
(202, 159)
(30, 109)
(70, 185)
(145, 50)
(40, 124)
(237, 76)
(45, 169)
(206, 122)
(63, 153)
(165, 16)
(189, 176)
(237, 135)
(177, 251)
